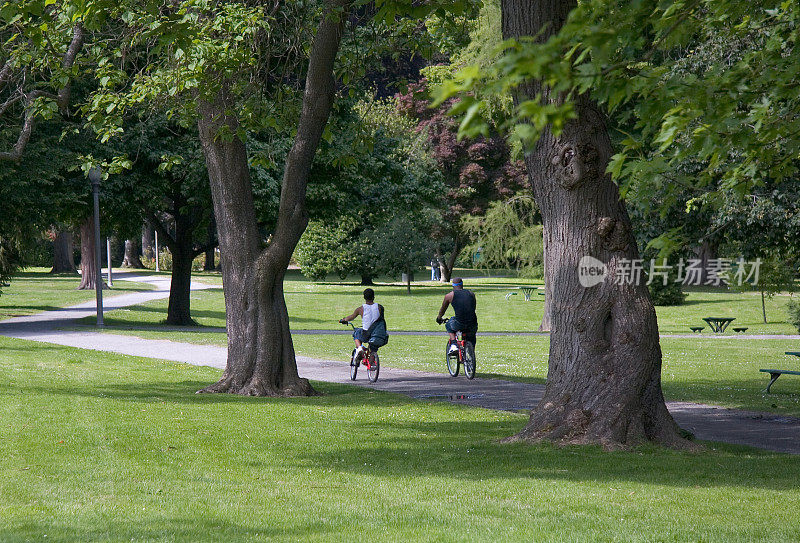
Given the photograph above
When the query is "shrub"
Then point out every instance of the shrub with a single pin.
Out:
(669, 294)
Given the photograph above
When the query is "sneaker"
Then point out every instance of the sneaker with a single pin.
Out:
(453, 348)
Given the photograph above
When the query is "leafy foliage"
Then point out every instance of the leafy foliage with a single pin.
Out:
(509, 235)
(702, 91)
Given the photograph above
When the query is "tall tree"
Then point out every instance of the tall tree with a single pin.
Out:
(261, 358)
(475, 172)
(604, 374)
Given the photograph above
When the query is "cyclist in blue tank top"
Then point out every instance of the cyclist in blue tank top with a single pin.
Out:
(463, 302)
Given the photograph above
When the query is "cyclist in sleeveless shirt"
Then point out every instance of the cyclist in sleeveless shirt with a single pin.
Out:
(373, 325)
(463, 302)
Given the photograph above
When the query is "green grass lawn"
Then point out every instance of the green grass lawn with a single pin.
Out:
(35, 289)
(319, 305)
(102, 448)
(703, 370)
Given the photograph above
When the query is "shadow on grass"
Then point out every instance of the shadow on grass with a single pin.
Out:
(468, 449)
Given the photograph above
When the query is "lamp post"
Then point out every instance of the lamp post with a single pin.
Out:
(94, 177)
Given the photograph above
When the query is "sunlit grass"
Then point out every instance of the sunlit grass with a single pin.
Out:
(100, 448)
(35, 290)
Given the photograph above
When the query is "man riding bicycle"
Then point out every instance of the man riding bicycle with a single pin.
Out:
(373, 325)
(463, 302)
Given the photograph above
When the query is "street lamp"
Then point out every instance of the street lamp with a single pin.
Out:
(94, 176)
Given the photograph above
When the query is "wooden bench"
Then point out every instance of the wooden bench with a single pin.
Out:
(740, 329)
(697, 329)
(775, 374)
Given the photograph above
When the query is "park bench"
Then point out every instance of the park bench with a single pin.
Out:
(774, 374)
(740, 329)
(697, 329)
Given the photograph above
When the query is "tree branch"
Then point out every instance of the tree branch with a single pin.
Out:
(163, 232)
(5, 73)
(69, 61)
(318, 99)
(62, 98)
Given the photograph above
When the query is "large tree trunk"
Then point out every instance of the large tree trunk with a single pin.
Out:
(63, 258)
(209, 264)
(604, 375)
(147, 242)
(366, 280)
(261, 358)
(547, 312)
(88, 261)
(131, 258)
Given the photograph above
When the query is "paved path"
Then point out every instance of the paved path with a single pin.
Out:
(424, 333)
(765, 430)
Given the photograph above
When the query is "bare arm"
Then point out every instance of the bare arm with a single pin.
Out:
(358, 312)
(445, 304)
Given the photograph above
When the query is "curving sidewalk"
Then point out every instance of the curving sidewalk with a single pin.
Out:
(707, 422)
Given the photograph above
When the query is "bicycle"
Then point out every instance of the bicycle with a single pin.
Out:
(465, 356)
(370, 360)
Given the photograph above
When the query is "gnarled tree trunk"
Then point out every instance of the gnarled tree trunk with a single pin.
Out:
(131, 258)
(63, 258)
(261, 358)
(547, 311)
(604, 375)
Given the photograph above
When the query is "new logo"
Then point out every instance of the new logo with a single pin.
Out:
(591, 271)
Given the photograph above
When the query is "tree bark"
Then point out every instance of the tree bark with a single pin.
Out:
(604, 374)
(63, 258)
(209, 264)
(763, 307)
(147, 241)
(705, 252)
(131, 258)
(547, 311)
(88, 261)
(179, 309)
(261, 358)
(180, 243)
(366, 280)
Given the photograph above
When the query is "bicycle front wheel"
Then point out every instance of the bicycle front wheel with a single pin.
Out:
(374, 368)
(353, 366)
(452, 360)
(469, 360)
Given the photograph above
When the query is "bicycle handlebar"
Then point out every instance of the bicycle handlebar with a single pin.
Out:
(348, 322)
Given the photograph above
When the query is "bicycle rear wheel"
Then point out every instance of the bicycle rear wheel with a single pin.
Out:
(452, 360)
(469, 360)
(353, 366)
(374, 367)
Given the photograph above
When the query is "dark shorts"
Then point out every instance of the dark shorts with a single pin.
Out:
(374, 341)
(468, 332)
